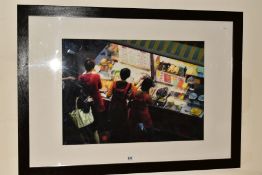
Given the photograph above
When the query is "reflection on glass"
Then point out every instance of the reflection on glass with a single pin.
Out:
(55, 64)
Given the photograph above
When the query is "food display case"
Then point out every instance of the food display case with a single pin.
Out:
(176, 82)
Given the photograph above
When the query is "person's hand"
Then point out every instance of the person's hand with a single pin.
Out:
(69, 78)
(138, 83)
(144, 76)
(152, 91)
(114, 58)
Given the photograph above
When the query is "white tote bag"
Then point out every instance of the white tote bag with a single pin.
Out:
(80, 118)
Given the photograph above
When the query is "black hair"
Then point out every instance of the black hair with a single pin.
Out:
(89, 64)
(147, 84)
(125, 73)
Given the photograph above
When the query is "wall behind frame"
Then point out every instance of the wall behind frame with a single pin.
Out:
(252, 81)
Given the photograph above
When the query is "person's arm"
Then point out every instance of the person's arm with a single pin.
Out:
(99, 85)
(69, 78)
(149, 100)
(110, 90)
(138, 83)
(132, 92)
(79, 77)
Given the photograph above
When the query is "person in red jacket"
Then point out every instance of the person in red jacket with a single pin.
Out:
(140, 121)
(93, 83)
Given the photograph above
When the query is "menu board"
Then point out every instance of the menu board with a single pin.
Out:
(134, 57)
(171, 79)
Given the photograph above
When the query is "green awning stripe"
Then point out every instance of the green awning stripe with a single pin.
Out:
(174, 47)
(166, 44)
(178, 49)
(156, 45)
(147, 44)
(191, 53)
(160, 46)
(151, 45)
(134, 42)
(170, 47)
(183, 50)
(201, 56)
(138, 43)
(196, 54)
(129, 42)
(186, 55)
(142, 43)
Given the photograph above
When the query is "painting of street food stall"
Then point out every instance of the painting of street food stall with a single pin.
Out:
(109, 103)
(133, 90)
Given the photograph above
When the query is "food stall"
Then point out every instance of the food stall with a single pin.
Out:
(178, 95)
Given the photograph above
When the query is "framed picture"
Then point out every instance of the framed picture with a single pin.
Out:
(125, 90)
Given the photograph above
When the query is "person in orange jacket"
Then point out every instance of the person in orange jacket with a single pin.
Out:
(120, 91)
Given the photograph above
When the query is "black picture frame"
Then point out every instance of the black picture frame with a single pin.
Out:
(23, 14)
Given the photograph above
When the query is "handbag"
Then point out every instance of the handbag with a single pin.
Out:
(80, 118)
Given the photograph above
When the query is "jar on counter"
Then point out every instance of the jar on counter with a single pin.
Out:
(191, 83)
(192, 97)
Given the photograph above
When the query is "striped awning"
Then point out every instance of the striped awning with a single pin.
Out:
(191, 52)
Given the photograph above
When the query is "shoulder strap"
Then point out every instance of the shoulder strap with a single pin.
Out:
(114, 84)
(127, 88)
(76, 103)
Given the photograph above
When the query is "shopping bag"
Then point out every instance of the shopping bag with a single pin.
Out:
(80, 118)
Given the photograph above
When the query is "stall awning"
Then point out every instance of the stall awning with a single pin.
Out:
(191, 52)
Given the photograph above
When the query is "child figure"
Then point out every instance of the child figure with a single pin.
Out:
(140, 121)
(118, 110)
